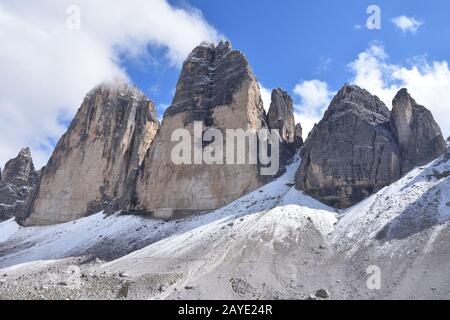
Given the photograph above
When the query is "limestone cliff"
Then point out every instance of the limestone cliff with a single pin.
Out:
(105, 143)
(17, 181)
(360, 146)
(419, 136)
(216, 88)
(281, 115)
(351, 153)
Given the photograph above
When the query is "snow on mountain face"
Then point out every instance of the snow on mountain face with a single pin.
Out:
(273, 243)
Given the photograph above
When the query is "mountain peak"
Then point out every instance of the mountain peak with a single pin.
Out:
(419, 136)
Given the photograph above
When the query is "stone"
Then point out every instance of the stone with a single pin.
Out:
(218, 89)
(281, 115)
(351, 153)
(312, 297)
(18, 180)
(96, 158)
(419, 136)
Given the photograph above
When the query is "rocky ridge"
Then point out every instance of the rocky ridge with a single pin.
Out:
(360, 147)
(97, 156)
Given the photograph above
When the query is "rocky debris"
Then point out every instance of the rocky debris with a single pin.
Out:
(217, 88)
(419, 136)
(94, 160)
(298, 136)
(17, 181)
(351, 153)
(281, 116)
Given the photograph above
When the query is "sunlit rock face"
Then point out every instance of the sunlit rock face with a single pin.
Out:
(217, 89)
(281, 115)
(419, 136)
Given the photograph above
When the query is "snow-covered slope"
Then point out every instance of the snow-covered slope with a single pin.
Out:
(273, 243)
(111, 236)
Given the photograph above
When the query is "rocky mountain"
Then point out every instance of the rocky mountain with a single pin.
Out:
(419, 136)
(351, 153)
(96, 157)
(216, 89)
(360, 147)
(274, 243)
(281, 116)
(298, 136)
(17, 181)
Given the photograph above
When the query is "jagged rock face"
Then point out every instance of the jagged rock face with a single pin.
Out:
(18, 179)
(217, 88)
(419, 136)
(281, 115)
(91, 165)
(298, 136)
(351, 153)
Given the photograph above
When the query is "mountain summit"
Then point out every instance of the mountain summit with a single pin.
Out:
(360, 147)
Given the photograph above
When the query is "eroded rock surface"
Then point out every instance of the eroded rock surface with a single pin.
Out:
(281, 115)
(360, 146)
(18, 179)
(298, 137)
(94, 160)
(218, 89)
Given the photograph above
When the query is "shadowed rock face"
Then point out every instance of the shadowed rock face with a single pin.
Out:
(351, 153)
(17, 181)
(281, 115)
(93, 161)
(419, 136)
(360, 146)
(217, 88)
(298, 138)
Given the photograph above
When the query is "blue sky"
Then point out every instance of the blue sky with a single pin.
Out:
(54, 52)
(290, 41)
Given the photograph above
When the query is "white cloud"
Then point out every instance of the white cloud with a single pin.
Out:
(314, 100)
(427, 81)
(46, 69)
(266, 96)
(407, 23)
